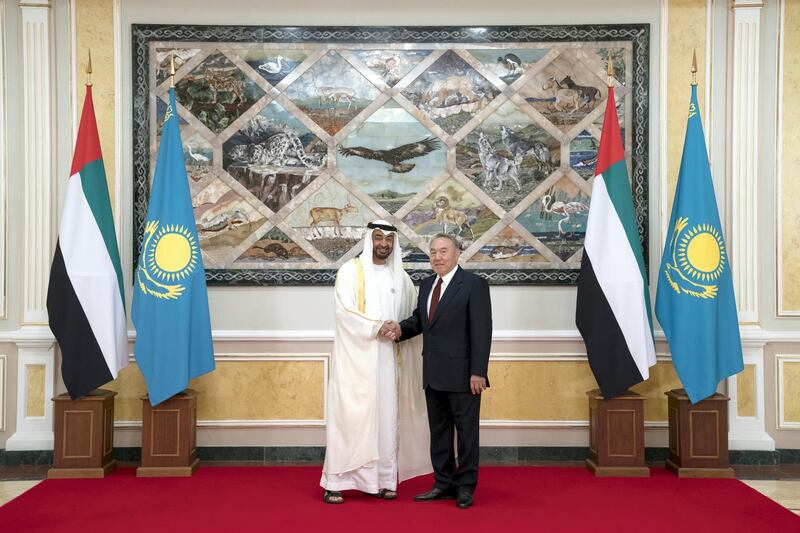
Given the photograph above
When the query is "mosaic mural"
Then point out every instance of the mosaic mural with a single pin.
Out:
(294, 138)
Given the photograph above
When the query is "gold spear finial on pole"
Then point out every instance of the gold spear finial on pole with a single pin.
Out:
(694, 67)
(89, 69)
(610, 63)
(172, 70)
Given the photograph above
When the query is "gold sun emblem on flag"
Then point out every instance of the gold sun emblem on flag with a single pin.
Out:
(170, 255)
(698, 259)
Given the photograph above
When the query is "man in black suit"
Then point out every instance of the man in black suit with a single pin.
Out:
(454, 315)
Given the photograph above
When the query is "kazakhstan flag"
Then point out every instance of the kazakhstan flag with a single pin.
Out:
(170, 301)
(695, 302)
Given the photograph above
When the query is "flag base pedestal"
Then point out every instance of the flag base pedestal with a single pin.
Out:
(83, 436)
(169, 437)
(698, 436)
(616, 435)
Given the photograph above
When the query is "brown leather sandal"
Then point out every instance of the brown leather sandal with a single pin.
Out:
(386, 494)
(333, 496)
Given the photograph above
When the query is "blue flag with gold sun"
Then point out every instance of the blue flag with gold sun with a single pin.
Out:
(695, 303)
(170, 300)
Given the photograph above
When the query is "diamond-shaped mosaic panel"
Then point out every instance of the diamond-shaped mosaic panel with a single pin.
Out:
(583, 154)
(331, 219)
(597, 61)
(558, 218)
(274, 156)
(199, 155)
(391, 156)
(224, 219)
(565, 92)
(274, 247)
(451, 92)
(273, 65)
(179, 55)
(451, 209)
(217, 92)
(508, 246)
(509, 65)
(411, 252)
(332, 92)
(391, 65)
(508, 155)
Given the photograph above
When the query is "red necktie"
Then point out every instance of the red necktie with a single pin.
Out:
(437, 292)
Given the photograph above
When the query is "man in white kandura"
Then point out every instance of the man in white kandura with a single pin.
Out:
(377, 428)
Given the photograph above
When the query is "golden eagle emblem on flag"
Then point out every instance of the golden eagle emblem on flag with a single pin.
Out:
(169, 255)
(698, 259)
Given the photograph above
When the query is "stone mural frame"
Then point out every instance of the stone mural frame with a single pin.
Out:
(292, 134)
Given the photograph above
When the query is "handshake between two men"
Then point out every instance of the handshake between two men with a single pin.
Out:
(391, 330)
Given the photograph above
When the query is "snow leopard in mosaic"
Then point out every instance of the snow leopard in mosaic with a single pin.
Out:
(280, 149)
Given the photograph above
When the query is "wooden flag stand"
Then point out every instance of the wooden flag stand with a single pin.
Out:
(616, 435)
(698, 436)
(84, 436)
(169, 437)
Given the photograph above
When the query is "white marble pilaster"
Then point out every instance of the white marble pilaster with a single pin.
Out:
(742, 187)
(38, 155)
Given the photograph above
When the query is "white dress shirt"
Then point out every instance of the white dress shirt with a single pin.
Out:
(445, 282)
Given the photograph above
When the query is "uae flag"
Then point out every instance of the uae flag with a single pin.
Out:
(85, 299)
(613, 308)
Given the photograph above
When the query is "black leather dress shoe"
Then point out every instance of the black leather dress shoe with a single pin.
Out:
(435, 494)
(464, 500)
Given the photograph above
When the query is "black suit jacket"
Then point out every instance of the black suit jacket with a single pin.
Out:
(456, 343)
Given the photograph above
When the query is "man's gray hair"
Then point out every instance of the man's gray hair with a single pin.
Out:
(451, 238)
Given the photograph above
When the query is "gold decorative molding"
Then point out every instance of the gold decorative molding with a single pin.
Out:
(3, 389)
(746, 392)
(244, 388)
(34, 390)
(551, 389)
(787, 163)
(787, 391)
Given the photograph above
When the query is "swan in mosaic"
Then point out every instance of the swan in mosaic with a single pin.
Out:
(274, 66)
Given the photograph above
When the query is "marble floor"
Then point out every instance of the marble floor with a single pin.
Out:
(780, 483)
(784, 491)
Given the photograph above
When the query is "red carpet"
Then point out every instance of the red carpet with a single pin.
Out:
(289, 499)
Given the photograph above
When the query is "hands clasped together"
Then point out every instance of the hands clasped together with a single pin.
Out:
(390, 330)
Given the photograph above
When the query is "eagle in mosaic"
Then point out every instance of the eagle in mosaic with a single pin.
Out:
(395, 157)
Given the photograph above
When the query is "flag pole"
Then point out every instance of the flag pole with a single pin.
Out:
(694, 67)
(172, 71)
(89, 70)
(610, 63)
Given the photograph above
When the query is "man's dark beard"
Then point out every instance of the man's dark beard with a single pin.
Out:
(376, 254)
